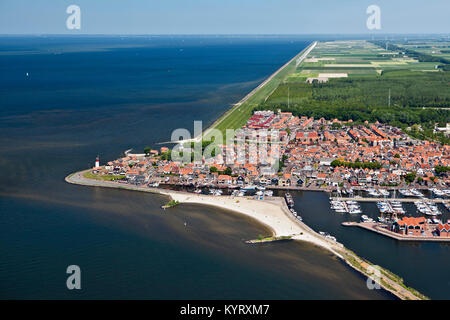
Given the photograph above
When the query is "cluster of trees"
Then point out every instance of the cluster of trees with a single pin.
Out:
(204, 144)
(416, 98)
(356, 165)
(441, 169)
(407, 89)
(427, 133)
(147, 150)
(227, 171)
(410, 177)
(166, 155)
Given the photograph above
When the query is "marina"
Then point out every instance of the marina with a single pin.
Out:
(390, 207)
(348, 206)
(290, 203)
(419, 223)
(427, 208)
(381, 228)
(391, 203)
(366, 199)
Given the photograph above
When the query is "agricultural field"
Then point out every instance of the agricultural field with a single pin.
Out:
(436, 48)
(362, 81)
(354, 59)
(358, 80)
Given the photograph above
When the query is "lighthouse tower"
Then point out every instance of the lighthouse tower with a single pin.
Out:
(97, 162)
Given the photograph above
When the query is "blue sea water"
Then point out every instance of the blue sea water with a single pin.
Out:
(65, 100)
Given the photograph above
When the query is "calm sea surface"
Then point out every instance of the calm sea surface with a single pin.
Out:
(102, 95)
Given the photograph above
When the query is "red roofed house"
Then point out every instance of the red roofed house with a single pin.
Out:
(186, 171)
(306, 136)
(225, 179)
(443, 230)
(410, 226)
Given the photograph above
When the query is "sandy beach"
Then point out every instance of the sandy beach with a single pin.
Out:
(273, 213)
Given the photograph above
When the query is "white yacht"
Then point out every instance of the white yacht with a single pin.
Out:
(365, 218)
(373, 193)
(268, 193)
(437, 192)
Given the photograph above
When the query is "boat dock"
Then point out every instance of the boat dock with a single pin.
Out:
(391, 210)
(345, 206)
(380, 229)
(364, 199)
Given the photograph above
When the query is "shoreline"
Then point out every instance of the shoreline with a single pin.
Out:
(274, 215)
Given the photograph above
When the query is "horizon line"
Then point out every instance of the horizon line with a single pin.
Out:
(224, 34)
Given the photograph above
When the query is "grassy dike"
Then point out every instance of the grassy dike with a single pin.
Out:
(387, 280)
(237, 116)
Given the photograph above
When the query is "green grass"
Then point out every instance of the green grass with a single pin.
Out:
(90, 175)
(171, 203)
(267, 239)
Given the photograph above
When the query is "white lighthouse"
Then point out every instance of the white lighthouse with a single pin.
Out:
(97, 162)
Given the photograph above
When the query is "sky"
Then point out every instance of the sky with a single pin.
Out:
(224, 17)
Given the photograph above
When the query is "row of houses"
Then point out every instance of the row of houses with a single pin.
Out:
(418, 226)
(304, 153)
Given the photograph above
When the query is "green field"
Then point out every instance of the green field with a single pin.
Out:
(357, 58)
(435, 47)
(91, 175)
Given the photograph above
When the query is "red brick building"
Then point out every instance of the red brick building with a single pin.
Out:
(443, 230)
(410, 226)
